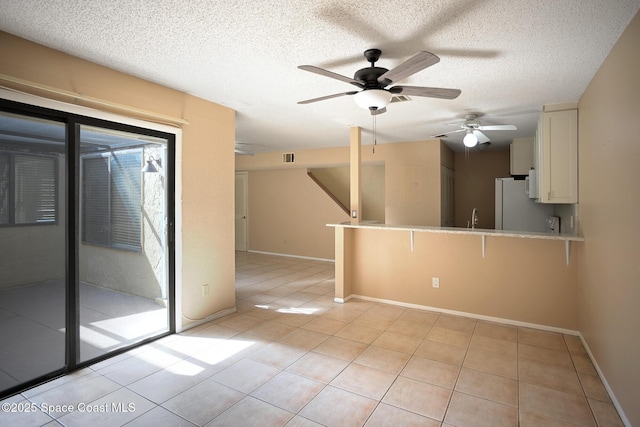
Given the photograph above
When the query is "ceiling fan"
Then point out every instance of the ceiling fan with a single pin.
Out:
(473, 129)
(373, 81)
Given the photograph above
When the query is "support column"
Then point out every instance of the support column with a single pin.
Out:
(343, 264)
(355, 162)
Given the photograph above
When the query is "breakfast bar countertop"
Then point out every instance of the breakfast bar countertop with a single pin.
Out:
(460, 230)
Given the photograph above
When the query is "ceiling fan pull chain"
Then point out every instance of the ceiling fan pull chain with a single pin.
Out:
(374, 134)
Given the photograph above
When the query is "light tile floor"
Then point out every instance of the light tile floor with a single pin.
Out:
(32, 326)
(291, 356)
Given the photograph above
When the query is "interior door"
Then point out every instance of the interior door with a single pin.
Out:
(242, 181)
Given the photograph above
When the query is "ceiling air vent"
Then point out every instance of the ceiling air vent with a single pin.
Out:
(288, 157)
(400, 98)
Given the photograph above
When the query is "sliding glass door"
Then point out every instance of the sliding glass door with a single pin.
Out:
(86, 255)
(123, 261)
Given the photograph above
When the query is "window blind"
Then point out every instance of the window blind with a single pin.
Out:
(95, 200)
(126, 209)
(28, 189)
(112, 199)
(35, 189)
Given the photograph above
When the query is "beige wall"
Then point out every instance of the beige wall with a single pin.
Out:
(523, 280)
(412, 189)
(609, 152)
(413, 182)
(412, 169)
(207, 162)
(288, 214)
(336, 179)
(447, 157)
(475, 185)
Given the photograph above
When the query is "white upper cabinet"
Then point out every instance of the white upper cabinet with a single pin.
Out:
(521, 152)
(556, 154)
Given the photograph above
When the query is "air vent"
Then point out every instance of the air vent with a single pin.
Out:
(400, 98)
(288, 157)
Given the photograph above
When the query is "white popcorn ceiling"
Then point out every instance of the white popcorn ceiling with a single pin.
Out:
(509, 57)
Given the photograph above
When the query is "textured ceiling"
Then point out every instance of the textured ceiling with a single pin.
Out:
(508, 57)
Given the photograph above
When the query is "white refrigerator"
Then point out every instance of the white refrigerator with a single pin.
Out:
(516, 211)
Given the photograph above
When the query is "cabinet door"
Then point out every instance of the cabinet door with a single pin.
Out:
(521, 152)
(537, 160)
(559, 157)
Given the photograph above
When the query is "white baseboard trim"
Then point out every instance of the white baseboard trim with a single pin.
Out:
(214, 316)
(614, 400)
(293, 256)
(470, 315)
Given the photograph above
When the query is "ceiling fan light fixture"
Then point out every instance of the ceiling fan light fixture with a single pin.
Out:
(470, 140)
(373, 98)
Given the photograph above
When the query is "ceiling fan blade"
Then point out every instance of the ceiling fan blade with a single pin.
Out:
(323, 72)
(482, 138)
(418, 62)
(440, 135)
(375, 112)
(431, 92)
(322, 98)
(498, 127)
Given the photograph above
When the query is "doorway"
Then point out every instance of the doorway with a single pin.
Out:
(447, 181)
(86, 243)
(242, 189)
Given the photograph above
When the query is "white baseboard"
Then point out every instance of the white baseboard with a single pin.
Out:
(470, 315)
(342, 300)
(214, 316)
(293, 256)
(614, 400)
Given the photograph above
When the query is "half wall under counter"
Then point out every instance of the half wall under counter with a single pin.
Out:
(520, 278)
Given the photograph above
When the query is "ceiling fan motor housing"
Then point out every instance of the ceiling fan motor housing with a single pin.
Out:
(373, 96)
(369, 77)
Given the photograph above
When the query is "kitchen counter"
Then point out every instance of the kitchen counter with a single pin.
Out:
(522, 278)
(482, 232)
(459, 230)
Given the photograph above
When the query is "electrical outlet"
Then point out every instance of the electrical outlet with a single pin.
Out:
(435, 282)
(205, 290)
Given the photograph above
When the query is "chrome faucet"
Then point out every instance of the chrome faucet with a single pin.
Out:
(474, 218)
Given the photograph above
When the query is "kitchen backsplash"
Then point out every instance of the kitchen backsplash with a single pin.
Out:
(566, 213)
